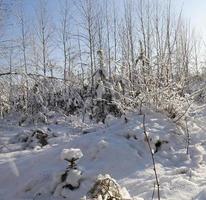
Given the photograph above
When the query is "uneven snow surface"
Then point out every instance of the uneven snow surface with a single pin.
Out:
(117, 148)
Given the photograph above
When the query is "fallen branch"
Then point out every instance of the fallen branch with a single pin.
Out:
(29, 74)
(8, 73)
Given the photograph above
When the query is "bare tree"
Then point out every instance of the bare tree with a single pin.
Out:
(115, 22)
(88, 13)
(24, 47)
(108, 40)
(65, 36)
(130, 36)
(80, 58)
(44, 33)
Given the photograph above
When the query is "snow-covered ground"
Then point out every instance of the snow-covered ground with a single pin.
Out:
(117, 148)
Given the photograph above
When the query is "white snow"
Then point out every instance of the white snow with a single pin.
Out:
(73, 177)
(69, 154)
(118, 149)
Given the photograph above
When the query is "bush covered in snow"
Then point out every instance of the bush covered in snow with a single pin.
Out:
(32, 138)
(106, 188)
(65, 182)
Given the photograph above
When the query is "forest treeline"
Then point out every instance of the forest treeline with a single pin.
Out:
(96, 58)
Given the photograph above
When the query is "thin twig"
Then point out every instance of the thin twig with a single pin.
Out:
(153, 160)
(153, 192)
(188, 136)
(183, 114)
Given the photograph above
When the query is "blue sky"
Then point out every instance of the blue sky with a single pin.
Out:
(195, 11)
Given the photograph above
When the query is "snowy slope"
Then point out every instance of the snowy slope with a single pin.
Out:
(117, 148)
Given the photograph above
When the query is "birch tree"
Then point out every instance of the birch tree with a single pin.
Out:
(44, 33)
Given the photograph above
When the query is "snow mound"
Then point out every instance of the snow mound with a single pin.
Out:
(73, 177)
(71, 154)
(68, 181)
(201, 195)
(64, 184)
(31, 138)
